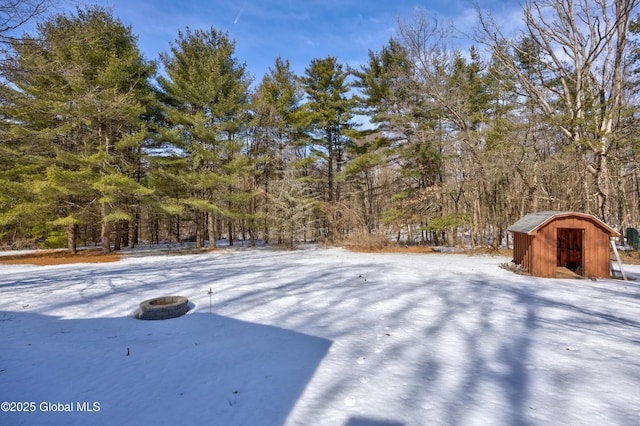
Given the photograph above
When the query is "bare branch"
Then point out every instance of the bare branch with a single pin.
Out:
(16, 13)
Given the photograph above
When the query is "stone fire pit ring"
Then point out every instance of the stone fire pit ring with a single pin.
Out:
(161, 308)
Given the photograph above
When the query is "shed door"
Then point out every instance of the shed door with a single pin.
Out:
(570, 252)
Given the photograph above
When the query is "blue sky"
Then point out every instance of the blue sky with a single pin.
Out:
(297, 30)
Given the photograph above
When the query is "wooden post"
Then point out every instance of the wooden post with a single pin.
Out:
(615, 251)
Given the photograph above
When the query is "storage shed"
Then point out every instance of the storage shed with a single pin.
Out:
(545, 241)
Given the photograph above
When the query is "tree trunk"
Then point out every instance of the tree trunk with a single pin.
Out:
(106, 229)
(125, 233)
(154, 229)
(230, 231)
(330, 211)
(178, 221)
(72, 238)
(135, 229)
(117, 240)
(603, 187)
(199, 229)
(211, 228)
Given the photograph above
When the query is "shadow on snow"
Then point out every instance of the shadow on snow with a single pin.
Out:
(202, 367)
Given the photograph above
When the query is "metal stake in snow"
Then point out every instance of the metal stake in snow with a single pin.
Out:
(210, 293)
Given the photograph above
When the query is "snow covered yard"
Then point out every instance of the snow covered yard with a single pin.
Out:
(317, 337)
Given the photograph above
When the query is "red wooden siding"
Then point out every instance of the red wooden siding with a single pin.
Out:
(522, 249)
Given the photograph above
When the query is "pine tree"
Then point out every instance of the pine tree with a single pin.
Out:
(275, 129)
(74, 105)
(206, 97)
(328, 113)
(382, 85)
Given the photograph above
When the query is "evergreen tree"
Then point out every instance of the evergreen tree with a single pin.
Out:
(381, 84)
(275, 129)
(328, 113)
(206, 98)
(411, 130)
(73, 105)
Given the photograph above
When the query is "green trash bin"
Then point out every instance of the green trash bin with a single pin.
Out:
(633, 238)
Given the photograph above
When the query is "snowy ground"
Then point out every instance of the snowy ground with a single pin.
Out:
(317, 337)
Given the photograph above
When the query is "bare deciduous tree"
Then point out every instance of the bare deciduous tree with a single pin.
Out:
(14, 16)
(16, 13)
(578, 50)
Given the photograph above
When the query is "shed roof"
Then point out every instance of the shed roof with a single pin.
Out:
(531, 222)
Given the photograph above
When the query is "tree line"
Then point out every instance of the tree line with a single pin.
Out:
(99, 145)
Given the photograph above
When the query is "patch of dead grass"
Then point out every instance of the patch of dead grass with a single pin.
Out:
(630, 257)
(55, 257)
(390, 249)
